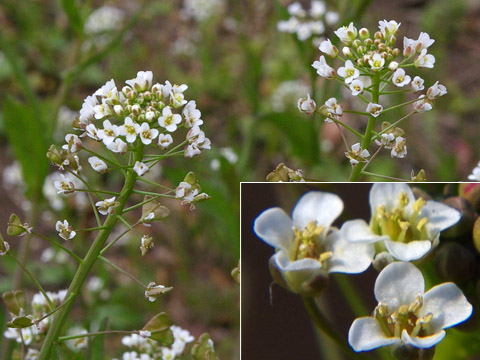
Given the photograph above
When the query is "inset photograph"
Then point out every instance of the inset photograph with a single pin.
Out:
(360, 271)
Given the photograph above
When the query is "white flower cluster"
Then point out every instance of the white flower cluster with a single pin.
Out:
(40, 308)
(147, 349)
(140, 111)
(104, 19)
(285, 95)
(308, 23)
(202, 10)
(367, 58)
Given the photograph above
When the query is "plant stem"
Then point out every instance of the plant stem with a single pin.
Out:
(322, 324)
(89, 260)
(367, 137)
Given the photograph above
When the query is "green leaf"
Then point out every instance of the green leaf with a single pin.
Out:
(73, 15)
(28, 138)
(159, 326)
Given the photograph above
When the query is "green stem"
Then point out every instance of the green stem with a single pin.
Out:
(385, 176)
(322, 324)
(88, 262)
(119, 269)
(54, 243)
(367, 137)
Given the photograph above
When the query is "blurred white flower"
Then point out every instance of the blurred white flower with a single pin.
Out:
(475, 175)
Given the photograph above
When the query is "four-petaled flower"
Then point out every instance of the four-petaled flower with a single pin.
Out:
(307, 248)
(406, 314)
(349, 72)
(65, 231)
(323, 69)
(106, 206)
(407, 228)
(168, 120)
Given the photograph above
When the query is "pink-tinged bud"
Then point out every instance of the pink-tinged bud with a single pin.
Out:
(364, 33)
(306, 105)
(408, 51)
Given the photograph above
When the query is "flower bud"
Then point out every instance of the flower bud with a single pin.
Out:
(381, 47)
(455, 262)
(392, 39)
(381, 260)
(129, 92)
(53, 155)
(347, 51)
(476, 235)
(378, 36)
(395, 52)
(368, 42)
(467, 217)
(393, 66)
(356, 43)
(306, 105)
(364, 33)
(118, 110)
(147, 95)
(146, 244)
(14, 301)
(361, 50)
(136, 109)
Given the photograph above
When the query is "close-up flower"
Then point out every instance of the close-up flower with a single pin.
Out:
(406, 227)
(65, 231)
(406, 314)
(307, 247)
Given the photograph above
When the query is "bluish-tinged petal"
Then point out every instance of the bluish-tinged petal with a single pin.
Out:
(423, 342)
(408, 251)
(317, 206)
(365, 334)
(398, 284)
(447, 304)
(440, 217)
(274, 227)
(348, 257)
(358, 231)
(387, 194)
(297, 273)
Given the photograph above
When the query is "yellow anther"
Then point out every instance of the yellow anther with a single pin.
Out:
(381, 211)
(416, 304)
(403, 310)
(421, 223)
(404, 225)
(403, 199)
(419, 204)
(325, 256)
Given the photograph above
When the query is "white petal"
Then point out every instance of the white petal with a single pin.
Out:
(315, 205)
(348, 257)
(398, 284)
(359, 231)
(440, 216)
(387, 194)
(447, 304)
(423, 342)
(408, 251)
(365, 334)
(274, 227)
(297, 273)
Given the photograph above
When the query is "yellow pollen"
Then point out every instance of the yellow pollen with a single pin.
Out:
(146, 134)
(421, 223)
(419, 204)
(403, 199)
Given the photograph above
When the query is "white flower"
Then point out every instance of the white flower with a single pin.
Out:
(408, 228)
(306, 247)
(423, 42)
(197, 141)
(118, 146)
(73, 144)
(87, 111)
(64, 186)
(98, 164)
(175, 92)
(192, 115)
(329, 49)
(331, 17)
(349, 72)
(357, 154)
(422, 105)
(374, 109)
(77, 343)
(304, 31)
(400, 292)
(393, 66)
(399, 149)
(388, 28)
(376, 62)
(317, 27)
(142, 82)
(436, 90)
(296, 9)
(356, 87)
(288, 26)
(129, 130)
(475, 175)
(65, 231)
(168, 120)
(165, 140)
(323, 69)
(229, 154)
(106, 206)
(347, 34)
(317, 9)
(168, 354)
(425, 60)
(92, 131)
(106, 90)
(400, 79)
(147, 134)
(417, 84)
(108, 133)
(140, 168)
(306, 105)
(334, 109)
